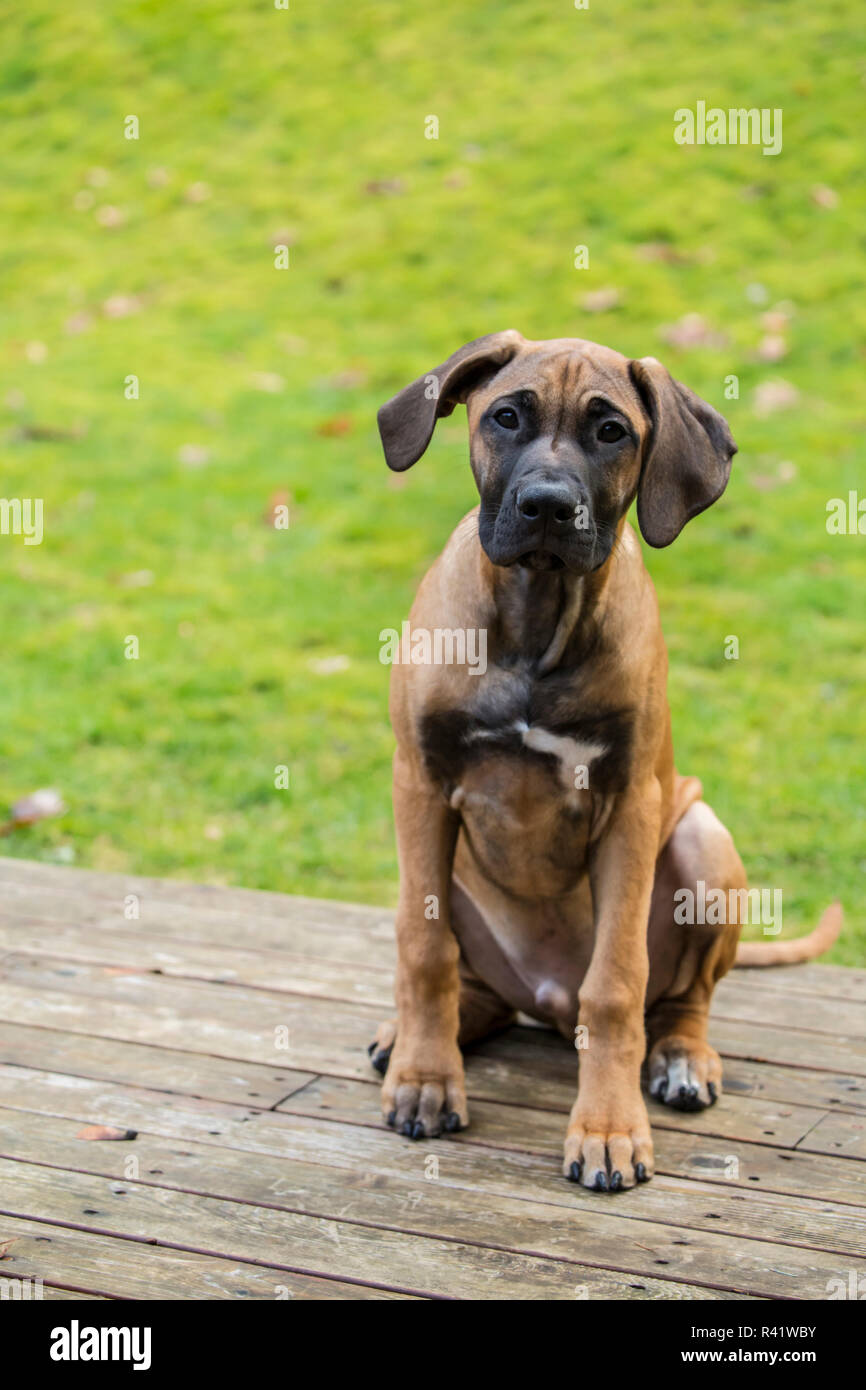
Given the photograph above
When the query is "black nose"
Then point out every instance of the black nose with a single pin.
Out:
(551, 503)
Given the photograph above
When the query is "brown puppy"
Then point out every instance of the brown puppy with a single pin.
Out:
(542, 828)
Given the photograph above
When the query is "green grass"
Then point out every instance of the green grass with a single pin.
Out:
(556, 128)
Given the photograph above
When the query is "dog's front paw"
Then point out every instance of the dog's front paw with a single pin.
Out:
(424, 1094)
(608, 1148)
(684, 1074)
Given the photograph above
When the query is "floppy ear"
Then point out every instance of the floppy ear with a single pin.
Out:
(687, 457)
(406, 421)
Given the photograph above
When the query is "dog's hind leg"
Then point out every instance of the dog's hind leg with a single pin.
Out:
(688, 958)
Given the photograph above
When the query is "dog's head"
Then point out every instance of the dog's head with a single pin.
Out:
(562, 435)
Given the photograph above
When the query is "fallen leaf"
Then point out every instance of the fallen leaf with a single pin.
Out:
(771, 396)
(277, 500)
(328, 665)
(106, 1132)
(110, 216)
(193, 455)
(772, 347)
(600, 301)
(776, 320)
(78, 323)
(692, 330)
(757, 293)
(348, 380)
(120, 306)
(335, 426)
(824, 197)
(392, 187)
(39, 805)
(291, 343)
(50, 433)
(661, 251)
(267, 381)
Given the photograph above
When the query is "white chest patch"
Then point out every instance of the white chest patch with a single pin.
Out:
(575, 756)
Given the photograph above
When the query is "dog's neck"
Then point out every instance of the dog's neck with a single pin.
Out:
(539, 611)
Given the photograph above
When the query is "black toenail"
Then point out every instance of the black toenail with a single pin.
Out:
(418, 1129)
(372, 1048)
(574, 1172)
(600, 1184)
(452, 1122)
(392, 1117)
(380, 1063)
(616, 1181)
(407, 1129)
(714, 1095)
(640, 1172)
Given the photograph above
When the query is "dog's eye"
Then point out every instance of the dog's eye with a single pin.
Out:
(507, 418)
(610, 432)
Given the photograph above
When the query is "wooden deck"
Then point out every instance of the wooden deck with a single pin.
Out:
(228, 1029)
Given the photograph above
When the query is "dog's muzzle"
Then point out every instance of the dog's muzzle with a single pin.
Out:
(551, 523)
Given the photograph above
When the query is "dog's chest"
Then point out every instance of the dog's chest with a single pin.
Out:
(532, 769)
(516, 721)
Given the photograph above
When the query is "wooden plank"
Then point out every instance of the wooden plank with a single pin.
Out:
(336, 942)
(582, 1236)
(246, 1023)
(148, 952)
(812, 977)
(525, 1068)
(549, 1217)
(169, 950)
(191, 1074)
(753, 1167)
(317, 929)
(768, 1003)
(312, 1244)
(31, 881)
(59, 1295)
(757, 1121)
(322, 1039)
(840, 1134)
(786, 1046)
(131, 1269)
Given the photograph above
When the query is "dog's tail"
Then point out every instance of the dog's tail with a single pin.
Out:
(796, 951)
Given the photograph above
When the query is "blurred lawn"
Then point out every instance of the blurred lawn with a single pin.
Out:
(555, 129)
